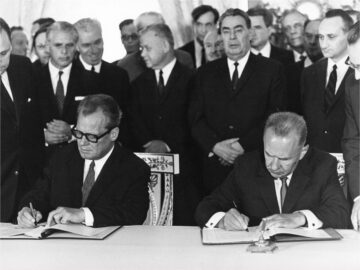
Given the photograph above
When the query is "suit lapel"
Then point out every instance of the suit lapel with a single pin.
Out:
(7, 104)
(224, 74)
(76, 174)
(171, 83)
(341, 90)
(106, 176)
(297, 185)
(246, 74)
(50, 91)
(71, 89)
(266, 186)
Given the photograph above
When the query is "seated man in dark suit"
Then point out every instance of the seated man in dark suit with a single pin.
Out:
(261, 23)
(159, 115)
(94, 181)
(133, 63)
(21, 145)
(97, 75)
(289, 185)
(351, 137)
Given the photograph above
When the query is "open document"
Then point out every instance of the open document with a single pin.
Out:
(219, 236)
(77, 231)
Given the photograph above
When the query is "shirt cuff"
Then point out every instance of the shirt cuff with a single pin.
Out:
(312, 221)
(89, 218)
(357, 198)
(214, 220)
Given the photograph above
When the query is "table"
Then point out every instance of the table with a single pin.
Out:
(151, 247)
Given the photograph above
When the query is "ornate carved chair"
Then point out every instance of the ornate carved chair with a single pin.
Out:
(163, 167)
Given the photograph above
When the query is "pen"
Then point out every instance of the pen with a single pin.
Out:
(247, 229)
(33, 213)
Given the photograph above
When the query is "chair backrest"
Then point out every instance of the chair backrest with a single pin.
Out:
(161, 195)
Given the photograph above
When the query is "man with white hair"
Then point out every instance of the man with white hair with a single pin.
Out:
(133, 63)
(99, 76)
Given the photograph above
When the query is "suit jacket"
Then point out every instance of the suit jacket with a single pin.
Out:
(283, 56)
(21, 136)
(135, 65)
(48, 103)
(314, 186)
(118, 197)
(351, 137)
(293, 74)
(325, 128)
(112, 81)
(189, 48)
(165, 118)
(218, 113)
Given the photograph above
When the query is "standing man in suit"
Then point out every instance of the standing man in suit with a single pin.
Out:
(134, 63)
(99, 76)
(294, 71)
(323, 84)
(293, 27)
(204, 20)
(59, 84)
(261, 24)
(159, 117)
(93, 181)
(231, 103)
(351, 137)
(21, 133)
(288, 185)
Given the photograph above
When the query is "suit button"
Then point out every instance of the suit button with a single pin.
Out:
(231, 127)
(325, 132)
(160, 117)
(16, 173)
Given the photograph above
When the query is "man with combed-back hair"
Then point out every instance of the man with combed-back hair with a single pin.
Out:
(94, 180)
(288, 185)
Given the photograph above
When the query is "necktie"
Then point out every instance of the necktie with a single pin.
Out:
(93, 69)
(59, 93)
(88, 183)
(203, 59)
(283, 190)
(330, 88)
(161, 86)
(260, 53)
(302, 57)
(235, 76)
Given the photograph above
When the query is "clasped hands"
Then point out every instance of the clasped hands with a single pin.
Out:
(61, 215)
(235, 221)
(57, 131)
(228, 150)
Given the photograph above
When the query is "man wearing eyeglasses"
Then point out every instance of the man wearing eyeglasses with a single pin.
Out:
(351, 137)
(323, 84)
(129, 36)
(93, 181)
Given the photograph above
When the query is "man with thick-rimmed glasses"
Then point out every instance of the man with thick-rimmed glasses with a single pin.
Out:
(93, 181)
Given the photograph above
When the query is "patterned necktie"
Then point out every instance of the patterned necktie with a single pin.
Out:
(283, 190)
(88, 183)
(59, 93)
(330, 88)
(161, 85)
(235, 76)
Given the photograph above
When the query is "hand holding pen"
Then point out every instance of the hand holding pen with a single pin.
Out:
(28, 217)
(245, 219)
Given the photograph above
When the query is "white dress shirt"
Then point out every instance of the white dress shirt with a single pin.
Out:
(54, 74)
(340, 70)
(297, 56)
(265, 51)
(198, 53)
(88, 67)
(166, 71)
(312, 221)
(5, 81)
(242, 62)
(99, 164)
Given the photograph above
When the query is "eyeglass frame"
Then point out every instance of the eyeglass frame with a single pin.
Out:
(352, 65)
(96, 137)
(128, 37)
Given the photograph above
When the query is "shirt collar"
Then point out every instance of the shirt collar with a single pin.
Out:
(88, 67)
(166, 70)
(339, 64)
(54, 71)
(99, 163)
(265, 51)
(297, 55)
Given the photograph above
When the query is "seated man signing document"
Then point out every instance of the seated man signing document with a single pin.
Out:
(290, 185)
(93, 181)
